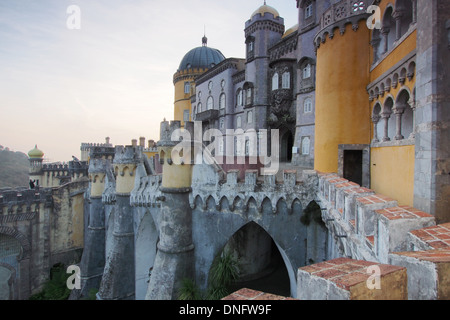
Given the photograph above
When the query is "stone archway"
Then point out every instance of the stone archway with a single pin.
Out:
(145, 247)
(261, 262)
(11, 252)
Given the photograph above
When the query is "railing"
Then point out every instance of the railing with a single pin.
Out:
(343, 10)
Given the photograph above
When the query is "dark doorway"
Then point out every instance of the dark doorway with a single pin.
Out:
(287, 142)
(353, 165)
(261, 265)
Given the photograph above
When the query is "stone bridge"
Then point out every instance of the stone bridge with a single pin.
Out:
(308, 220)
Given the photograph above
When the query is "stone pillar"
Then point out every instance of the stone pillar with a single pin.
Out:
(385, 116)
(432, 134)
(398, 14)
(93, 259)
(398, 111)
(175, 257)
(118, 282)
(375, 119)
(385, 33)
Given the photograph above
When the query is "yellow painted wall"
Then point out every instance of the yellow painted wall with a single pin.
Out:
(97, 184)
(392, 172)
(182, 101)
(398, 53)
(175, 175)
(342, 101)
(125, 176)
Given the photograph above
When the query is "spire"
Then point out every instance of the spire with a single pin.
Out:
(204, 39)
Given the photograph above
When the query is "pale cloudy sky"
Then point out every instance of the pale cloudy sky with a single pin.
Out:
(112, 77)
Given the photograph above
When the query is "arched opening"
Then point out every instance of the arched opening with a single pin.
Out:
(390, 123)
(404, 9)
(287, 142)
(10, 251)
(6, 280)
(388, 29)
(407, 119)
(260, 262)
(316, 234)
(146, 241)
(378, 125)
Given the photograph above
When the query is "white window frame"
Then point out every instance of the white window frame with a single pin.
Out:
(210, 103)
(309, 11)
(307, 105)
(222, 101)
(286, 80)
(240, 98)
(275, 80)
(250, 117)
(186, 115)
(187, 87)
(307, 71)
(306, 145)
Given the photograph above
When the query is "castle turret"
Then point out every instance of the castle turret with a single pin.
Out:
(342, 111)
(35, 156)
(263, 30)
(175, 257)
(93, 259)
(194, 63)
(118, 282)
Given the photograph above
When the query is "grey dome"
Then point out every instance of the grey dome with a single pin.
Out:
(201, 57)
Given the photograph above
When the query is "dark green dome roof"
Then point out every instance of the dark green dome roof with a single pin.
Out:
(201, 57)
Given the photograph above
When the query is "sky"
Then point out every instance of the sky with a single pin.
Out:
(68, 77)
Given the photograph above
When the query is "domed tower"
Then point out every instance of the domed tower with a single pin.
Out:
(193, 64)
(342, 74)
(35, 156)
(263, 30)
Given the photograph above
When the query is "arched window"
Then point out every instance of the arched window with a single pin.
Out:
(275, 81)
(306, 142)
(199, 107)
(239, 98)
(210, 103)
(221, 123)
(222, 101)
(249, 96)
(388, 29)
(286, 80)
(307, 105)
(238, 122)
(187, 87)
(250, 117)
(307, 71)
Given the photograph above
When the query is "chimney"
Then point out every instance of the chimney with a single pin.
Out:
(142, 142)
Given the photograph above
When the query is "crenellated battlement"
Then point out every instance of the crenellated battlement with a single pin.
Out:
(210, 191)
(367, 225)
(127, 154)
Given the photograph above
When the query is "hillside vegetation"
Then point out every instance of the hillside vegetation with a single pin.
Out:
(13, 168)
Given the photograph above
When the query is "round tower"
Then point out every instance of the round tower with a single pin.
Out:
(194, 63)
(118, 280)
(263, 30)
(175, 257)
(35, 156)
(342, 110)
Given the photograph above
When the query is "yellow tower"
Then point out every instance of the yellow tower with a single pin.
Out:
(342, 106)
(35, 156)
(194, 63)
